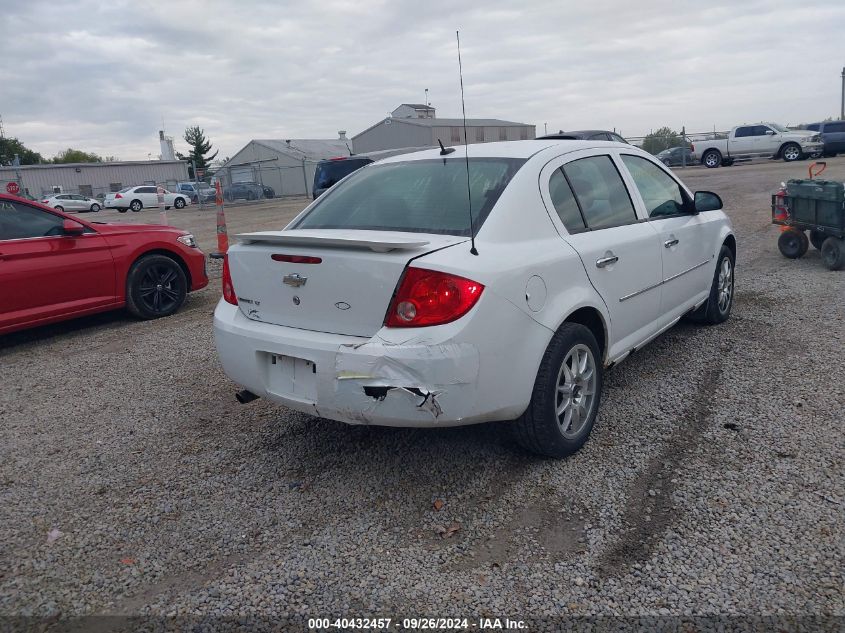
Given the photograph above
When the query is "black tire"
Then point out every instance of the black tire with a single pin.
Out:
(136, 205)
(122, 210)
(59, 208)
(179, 203)
(539, 429)
(156, 287)
(711, 158)
(817, 239)
(95, 208)
(793, 243)
(791, 152)
(718, 306)
(833, 253)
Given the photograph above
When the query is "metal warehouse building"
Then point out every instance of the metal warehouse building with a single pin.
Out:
(92, 179)
(415, 125)
(285, 165)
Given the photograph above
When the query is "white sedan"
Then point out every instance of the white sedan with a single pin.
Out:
(377, 306)
(72, 202)
(145, 196)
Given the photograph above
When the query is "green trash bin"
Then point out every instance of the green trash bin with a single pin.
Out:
(820, 202)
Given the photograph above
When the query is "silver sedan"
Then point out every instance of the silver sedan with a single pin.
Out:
(72, 202)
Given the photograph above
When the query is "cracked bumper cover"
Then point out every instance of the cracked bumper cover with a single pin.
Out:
(411, 382)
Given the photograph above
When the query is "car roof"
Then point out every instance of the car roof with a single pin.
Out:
(507, 149)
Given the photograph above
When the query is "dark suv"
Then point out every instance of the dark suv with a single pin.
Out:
(833, 135)
(331, 171)
(244, 191)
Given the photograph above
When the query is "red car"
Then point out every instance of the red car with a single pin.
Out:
(55, 267)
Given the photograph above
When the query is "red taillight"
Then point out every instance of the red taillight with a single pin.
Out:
(117, 195)
(228, 289)
(44, 201)
(692, 147)
(296, 259)
(428, 297)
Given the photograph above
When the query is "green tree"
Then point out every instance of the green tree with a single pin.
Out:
(11, 146)
(200, 147)
(660, 139)
(71, 155)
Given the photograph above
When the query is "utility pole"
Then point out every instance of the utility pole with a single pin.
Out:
(842, 106)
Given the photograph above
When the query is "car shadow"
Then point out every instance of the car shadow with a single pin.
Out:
(83, 325)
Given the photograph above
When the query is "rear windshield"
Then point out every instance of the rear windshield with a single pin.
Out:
(423, 196)
(330, 172)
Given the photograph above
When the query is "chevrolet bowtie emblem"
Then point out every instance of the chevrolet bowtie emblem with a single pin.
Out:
(296, 280)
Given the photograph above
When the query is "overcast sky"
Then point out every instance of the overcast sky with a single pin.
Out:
(103, 75)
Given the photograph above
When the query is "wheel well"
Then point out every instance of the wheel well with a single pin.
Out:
(591, 319)
(780, 149)
(136, 200)
(174, 256)
(708, 151)
(730, 242)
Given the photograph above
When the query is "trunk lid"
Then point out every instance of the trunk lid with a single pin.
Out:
(347, 292)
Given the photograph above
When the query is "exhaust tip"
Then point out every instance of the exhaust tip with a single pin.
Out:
(245, 396)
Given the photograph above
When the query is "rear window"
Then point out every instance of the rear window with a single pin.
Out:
(423, 196)
(330, 172)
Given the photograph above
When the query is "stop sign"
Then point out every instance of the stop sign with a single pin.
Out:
(13, 188)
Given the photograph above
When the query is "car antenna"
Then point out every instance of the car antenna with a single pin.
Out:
(472, 249)
(445, 150)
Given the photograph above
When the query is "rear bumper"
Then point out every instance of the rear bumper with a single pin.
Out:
(417, 382)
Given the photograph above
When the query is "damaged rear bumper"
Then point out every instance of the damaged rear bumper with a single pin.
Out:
(411, 382)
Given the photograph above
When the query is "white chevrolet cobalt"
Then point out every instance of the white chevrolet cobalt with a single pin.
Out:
(376, 306)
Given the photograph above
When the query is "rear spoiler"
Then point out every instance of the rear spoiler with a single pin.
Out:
(345, 239)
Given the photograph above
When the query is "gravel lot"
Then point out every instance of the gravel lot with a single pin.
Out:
(131, 482)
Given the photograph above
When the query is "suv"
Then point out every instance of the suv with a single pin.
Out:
(833, 136)
(331, 171)
(384, 303)
(243, 191)
(198, 192)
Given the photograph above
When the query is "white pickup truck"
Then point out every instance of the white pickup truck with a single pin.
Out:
(759, 140)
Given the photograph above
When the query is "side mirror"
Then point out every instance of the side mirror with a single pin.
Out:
(71, 228)
(707, 201)
(770, 132)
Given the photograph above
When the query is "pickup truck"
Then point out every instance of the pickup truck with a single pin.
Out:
(759, 140)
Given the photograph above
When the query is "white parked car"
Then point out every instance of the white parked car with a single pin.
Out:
(145, 196)
(72, 202)
(375, 307)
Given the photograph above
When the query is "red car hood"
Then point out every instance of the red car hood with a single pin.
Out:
(119, 227)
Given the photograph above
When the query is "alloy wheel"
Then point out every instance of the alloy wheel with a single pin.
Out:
(576, 390)
(726, 285)
(159, 291)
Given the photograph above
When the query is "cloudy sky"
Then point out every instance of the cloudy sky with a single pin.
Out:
(103, 75)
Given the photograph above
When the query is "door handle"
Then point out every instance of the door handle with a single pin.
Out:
(671, 243)
(601, 262)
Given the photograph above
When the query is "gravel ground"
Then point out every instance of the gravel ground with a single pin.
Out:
(132, 482)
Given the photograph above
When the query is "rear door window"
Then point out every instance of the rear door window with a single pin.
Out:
(565, 203)
(422, 196)
(601, 193)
